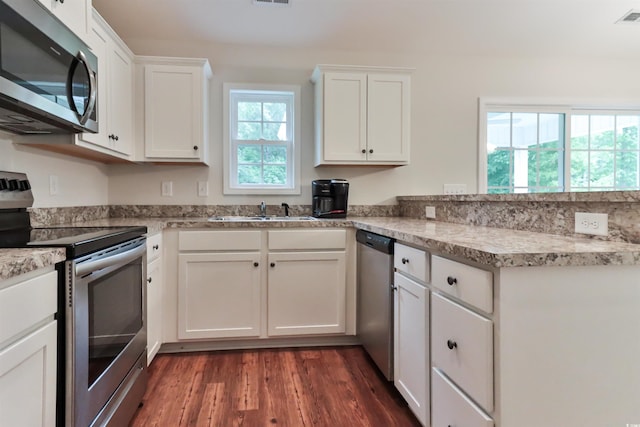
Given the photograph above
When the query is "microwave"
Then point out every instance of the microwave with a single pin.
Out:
(48, 75)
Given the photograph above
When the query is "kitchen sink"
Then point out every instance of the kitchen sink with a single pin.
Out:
(262, 218)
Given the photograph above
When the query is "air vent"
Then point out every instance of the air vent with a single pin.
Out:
(631, 17)
(272, 2)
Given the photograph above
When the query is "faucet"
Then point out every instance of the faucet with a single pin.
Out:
(263, 209)
(286, 209)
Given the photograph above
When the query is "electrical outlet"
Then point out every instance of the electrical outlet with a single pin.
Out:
(455, 188)
(167, 188)
(592, 223)
(54, 188)
(430, 212)
(203, 188)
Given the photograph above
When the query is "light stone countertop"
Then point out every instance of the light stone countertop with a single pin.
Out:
(493, 247)
(14, 262)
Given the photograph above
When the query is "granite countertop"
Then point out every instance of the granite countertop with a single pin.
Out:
(14, 262)
(493, 247)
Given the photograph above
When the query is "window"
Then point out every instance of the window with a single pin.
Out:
(529, 149)
(262, 153)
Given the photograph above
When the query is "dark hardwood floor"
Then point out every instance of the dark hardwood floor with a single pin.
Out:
(332, 387)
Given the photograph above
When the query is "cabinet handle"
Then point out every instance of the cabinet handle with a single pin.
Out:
(452, 344)
(111, 136)
(256, 264)
(452, 280)
(116, 137)
(364, 151)
(195, 147)
(156, 247)
(405, 260)
(393, 287)
(273, 264)
(149, 280)
(371, 150)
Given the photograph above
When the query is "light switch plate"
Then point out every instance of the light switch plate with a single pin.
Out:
(454, 188)
(203, 188)
(167, 188)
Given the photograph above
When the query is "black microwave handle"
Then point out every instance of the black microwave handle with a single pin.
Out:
(82, 59)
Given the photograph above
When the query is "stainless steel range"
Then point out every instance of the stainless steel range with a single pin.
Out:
(101, 316)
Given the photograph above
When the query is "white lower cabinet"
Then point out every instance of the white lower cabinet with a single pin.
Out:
(219, 295)
(28, 345)
(411, 356)
(154, 308)
(306, 293)
(451, 407)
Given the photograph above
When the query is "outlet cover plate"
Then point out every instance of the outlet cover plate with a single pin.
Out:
(430, 212)
(592, 223)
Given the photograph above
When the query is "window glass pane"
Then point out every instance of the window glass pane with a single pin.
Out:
(275, 131)
(521, 168)
(551, 131)
(275, 174)
(249, 153)
(250, 111)
(498, 130)
(499, 191)
(602, 132)
(275, 154)
(249, 131)
(579, 132)
(627, 132)
(601, 169)
(498, 170)
(525, 130)
(627, 169)
(549, 168)
(275, 112)
(579, 169)
(249, 174)
(532, 161)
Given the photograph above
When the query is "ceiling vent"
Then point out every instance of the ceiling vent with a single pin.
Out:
(272, 2)
(631, 17)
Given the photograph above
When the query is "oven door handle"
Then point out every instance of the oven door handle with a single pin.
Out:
(110, 261)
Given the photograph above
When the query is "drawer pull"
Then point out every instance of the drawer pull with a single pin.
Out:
(405, 260)
(452, 280)
(149, 280)
(156, 247)
(255, 264)
(273, 264)
(452, 344)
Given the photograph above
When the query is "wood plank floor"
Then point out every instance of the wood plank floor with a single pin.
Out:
(332, 387)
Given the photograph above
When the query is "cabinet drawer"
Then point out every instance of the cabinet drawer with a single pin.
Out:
(411, 261)
(219, 240)
(462, 347)
(472, 285)
(154, 247)
(307, 239)
(450, 407)
(27, 303)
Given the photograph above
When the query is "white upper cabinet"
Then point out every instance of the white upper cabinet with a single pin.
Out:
(362, 115)
(176, 105)
(75, 14)
(115, 93)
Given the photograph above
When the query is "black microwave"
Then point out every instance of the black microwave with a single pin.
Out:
(48, 75)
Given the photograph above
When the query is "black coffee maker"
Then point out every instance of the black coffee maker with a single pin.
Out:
(330, 198)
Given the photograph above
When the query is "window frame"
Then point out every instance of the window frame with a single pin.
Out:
(567, 107)
(230, 160)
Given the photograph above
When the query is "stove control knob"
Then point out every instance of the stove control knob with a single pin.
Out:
(24, 185)
(4, 184)
(13, 185)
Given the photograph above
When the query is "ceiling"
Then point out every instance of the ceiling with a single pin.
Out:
(457, 27)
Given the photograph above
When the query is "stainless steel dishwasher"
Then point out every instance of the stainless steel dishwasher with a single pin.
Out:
(375, 298)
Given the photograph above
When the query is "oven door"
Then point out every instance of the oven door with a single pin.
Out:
(105, 327)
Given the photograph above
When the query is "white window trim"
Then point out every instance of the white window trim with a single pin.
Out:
(540, 105)
(227, 152)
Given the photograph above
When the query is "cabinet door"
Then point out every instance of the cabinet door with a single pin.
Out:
(28, 380)
(120, 100)
(411, 356)
(388, 121)
(154, 308)
(219, 295)
(173, 102)
(73, 13)
(306, 293)
(345, 117)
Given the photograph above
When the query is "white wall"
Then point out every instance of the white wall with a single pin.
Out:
(445, 92)
(80, 182)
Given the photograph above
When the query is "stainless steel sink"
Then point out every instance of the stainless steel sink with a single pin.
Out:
(262, 218)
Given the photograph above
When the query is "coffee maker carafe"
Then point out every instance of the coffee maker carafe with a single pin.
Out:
(330, 198)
